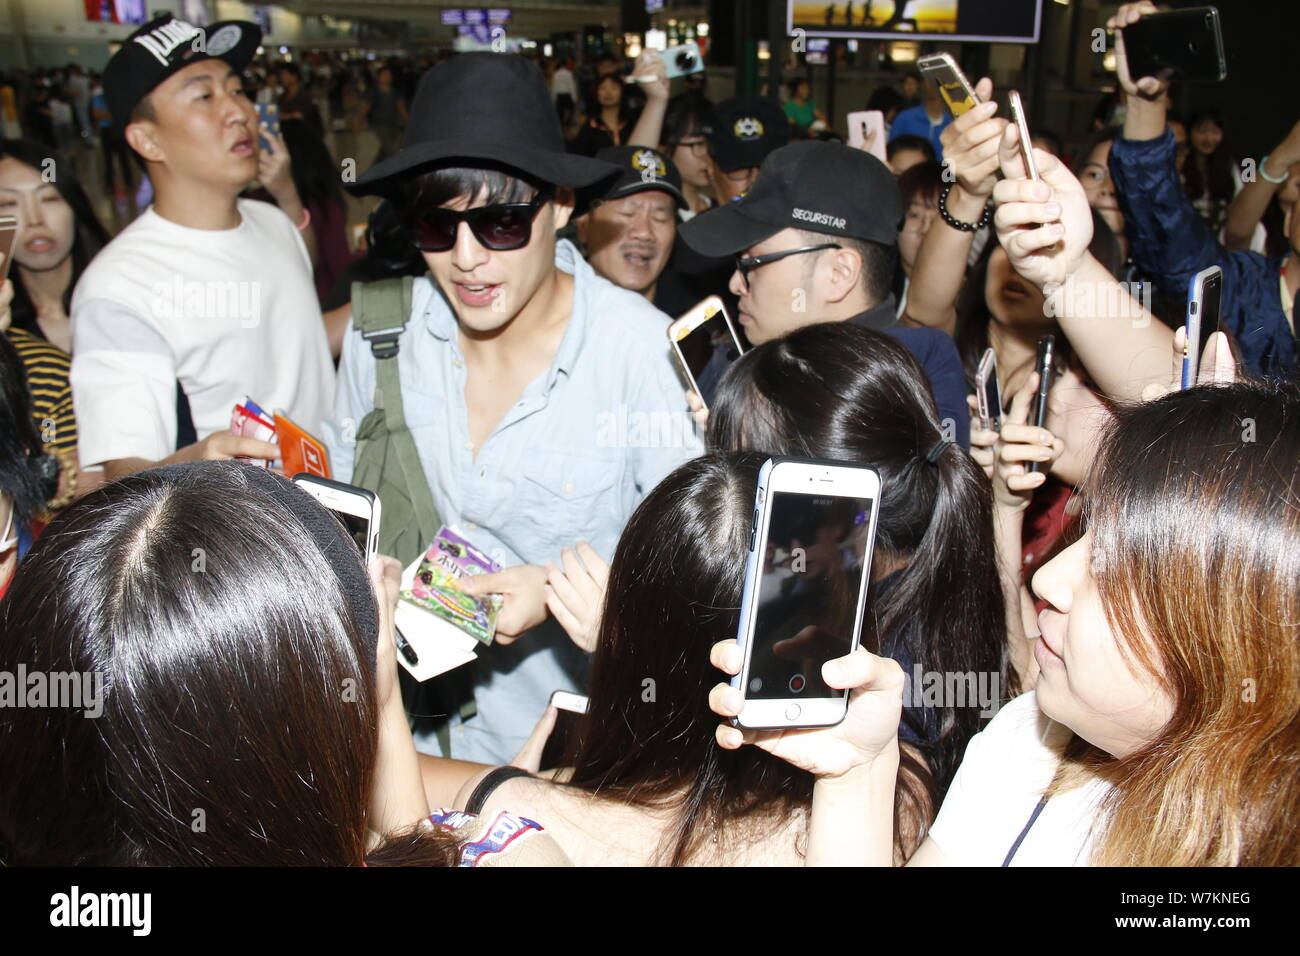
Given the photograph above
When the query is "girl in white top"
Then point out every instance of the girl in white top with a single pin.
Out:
(1165, 721)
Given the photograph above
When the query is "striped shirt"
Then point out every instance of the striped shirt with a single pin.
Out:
(47, 368)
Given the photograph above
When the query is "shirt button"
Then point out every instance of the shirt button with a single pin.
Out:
(458, 363)
(482, 472)
(568, 487)
(469, 445)
(473, 526)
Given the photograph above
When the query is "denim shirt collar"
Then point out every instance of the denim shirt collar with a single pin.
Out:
(441, 322)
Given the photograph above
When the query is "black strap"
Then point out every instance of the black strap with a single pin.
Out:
(488, 784)
(1025, 832)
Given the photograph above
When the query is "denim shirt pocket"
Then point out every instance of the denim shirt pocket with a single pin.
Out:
(569, 496)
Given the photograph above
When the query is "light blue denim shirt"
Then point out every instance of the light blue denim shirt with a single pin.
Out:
(571, 460)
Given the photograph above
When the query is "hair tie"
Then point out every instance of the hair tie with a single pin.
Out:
(932, 456)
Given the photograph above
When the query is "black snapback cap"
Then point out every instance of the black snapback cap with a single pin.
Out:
(166, 45)
(819, 186)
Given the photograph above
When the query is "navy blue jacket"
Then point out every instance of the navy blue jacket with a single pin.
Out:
(1171, 243)
(937, 355)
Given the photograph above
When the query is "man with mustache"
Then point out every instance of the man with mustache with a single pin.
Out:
(206, 298)
(629, 232)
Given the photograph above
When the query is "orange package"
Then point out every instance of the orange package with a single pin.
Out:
(299, 451)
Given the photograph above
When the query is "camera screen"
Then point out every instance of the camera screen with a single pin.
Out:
(810, 574)
(709, 350)
(355, 526)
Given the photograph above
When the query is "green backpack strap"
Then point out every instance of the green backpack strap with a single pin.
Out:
(387, 462)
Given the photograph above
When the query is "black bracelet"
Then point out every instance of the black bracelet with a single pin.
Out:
(957, 223)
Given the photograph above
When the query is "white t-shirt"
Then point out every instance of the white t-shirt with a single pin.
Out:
(1007, 767)
(229, 313)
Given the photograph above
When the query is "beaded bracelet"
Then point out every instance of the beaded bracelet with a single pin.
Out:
(957, 223)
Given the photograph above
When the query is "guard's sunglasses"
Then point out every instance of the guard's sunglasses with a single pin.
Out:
(499, 227)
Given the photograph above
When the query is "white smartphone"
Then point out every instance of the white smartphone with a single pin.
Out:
(8, 234)
(569, 701)
(1026, 143)
(705, 343)
(1204, 297)
(953, 85)
(805, 591)
(357, 509)
(988, 392)
(861, 127)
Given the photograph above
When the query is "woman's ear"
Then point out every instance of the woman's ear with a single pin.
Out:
(563, 204)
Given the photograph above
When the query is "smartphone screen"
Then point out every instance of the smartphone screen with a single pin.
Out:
(810, 575)
(357, 528)
(1211, 296)
(708, 351)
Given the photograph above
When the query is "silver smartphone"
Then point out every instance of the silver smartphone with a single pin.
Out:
(806, 577)
(988, 393)
(357, 509)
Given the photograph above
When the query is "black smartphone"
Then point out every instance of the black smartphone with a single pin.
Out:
(1204, 294)
(1045, 365)
(1187, 44)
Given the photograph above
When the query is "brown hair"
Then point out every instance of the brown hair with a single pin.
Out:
(1196, 551)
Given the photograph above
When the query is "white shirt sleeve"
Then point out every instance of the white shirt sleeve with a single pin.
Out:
(123, 385)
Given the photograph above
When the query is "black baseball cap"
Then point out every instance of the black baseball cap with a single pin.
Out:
(641, 168)
(745, 129)
(166, 45)
(814, 185)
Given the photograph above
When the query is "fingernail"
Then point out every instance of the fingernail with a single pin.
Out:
(1052, 209)
(831, 672)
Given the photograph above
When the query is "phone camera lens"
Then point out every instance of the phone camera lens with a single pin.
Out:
(797, 684)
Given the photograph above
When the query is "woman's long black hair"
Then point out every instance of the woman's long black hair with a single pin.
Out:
(20, 443)
(837, 391)
(238, 718)
(674, 590)
(89, 236)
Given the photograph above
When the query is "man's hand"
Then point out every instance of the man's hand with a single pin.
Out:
(221, 445)
(523, 588)
(970, 143)
(1045, 227)
(1147, 87)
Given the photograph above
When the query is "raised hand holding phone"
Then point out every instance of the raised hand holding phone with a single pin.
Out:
(970, 145)
(1020, 444)
(1045, 227)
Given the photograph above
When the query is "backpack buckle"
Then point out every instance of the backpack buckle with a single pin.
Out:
(383, 342)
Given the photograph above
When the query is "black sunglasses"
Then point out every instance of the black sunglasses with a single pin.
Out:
(498, 227)
(746, 264)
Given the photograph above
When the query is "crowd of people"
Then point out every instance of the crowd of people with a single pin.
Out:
(1124, 573)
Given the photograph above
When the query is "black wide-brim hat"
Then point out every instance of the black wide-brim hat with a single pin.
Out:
(476, 107)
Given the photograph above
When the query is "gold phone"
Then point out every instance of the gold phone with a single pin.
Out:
(953, 85)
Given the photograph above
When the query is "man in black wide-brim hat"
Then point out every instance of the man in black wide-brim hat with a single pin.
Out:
(543, 399)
